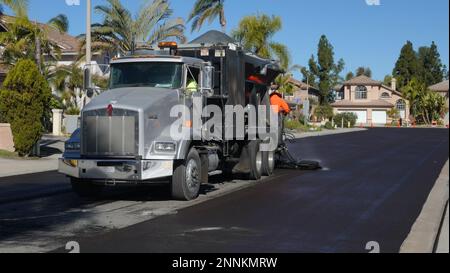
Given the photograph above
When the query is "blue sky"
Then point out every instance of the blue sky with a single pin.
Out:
(362, 35)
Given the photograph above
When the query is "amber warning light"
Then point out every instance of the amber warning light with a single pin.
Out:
(171, 45)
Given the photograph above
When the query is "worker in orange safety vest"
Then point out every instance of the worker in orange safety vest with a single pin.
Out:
(279, 105)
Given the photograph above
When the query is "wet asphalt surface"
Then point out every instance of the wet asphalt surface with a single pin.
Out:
(372, 188)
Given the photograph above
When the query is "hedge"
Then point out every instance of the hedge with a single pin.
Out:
(24, 99)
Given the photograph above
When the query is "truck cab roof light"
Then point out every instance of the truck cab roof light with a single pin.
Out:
(170, 45)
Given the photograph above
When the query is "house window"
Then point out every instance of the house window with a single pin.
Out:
(385, 95)
(361, 93)
(401, 105)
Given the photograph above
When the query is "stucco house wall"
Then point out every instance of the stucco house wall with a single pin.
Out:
(380, 100)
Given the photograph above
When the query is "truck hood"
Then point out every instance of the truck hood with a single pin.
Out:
(139, 98)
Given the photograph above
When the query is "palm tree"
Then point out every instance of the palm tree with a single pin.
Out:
(60, 22)
(67, 80)
(208, 10)
(255, 34)
(19, 7)
(121, 32)
(27, 40)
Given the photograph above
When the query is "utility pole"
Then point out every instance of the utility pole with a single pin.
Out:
(88, 33)
(87, 70)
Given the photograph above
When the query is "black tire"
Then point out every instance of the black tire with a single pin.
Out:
(255, 157)
(186, 179)
(268, 163)
(85, 188)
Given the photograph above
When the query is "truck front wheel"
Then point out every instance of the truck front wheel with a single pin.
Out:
(85, 188)
(186, 180)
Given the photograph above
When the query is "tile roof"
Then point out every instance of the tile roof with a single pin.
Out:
(440, 87)
(66, 42)
(374, 103)
(302, 85)
(362, 80)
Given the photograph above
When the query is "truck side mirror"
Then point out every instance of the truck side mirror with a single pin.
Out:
(208, 80)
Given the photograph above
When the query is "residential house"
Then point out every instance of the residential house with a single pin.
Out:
(371, 101)
(302, 92)
(442, 88)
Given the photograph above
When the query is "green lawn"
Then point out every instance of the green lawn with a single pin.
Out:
(8, 155)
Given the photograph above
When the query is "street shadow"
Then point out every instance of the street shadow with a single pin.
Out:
(51, 147)
(158, 191)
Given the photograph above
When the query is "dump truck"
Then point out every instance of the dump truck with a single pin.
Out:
(126, 132)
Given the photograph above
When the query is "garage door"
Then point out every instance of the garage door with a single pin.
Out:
(362, 115)
(379, 117)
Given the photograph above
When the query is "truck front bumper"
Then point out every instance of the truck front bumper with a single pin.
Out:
(116, 171)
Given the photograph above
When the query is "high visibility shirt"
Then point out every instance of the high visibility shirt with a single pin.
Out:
(279, 104)
(192, 87)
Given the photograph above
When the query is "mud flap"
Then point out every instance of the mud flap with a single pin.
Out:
(205, 168)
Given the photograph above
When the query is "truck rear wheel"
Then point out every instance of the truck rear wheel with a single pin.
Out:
(268, 163)
(85, 188)
(186, 180)
(256, 159)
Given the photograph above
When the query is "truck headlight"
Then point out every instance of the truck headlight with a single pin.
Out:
(165, 147)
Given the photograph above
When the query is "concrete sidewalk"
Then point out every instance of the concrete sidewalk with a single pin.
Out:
(430, 233)
(329, 132)
(51, 151)
(442, 245)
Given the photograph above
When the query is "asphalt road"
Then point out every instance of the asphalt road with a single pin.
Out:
(373, 188)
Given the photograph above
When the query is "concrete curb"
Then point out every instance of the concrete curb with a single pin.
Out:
(425, 231)
(328, 132)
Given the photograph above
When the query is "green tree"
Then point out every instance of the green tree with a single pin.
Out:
(19, 7)
(60, 22)
(285, 85)
(67, 80)
(325, 70)
(426, 106)
(23, 103)
(255, 33)
(407, 65)
(26, 40)
(364, 71)
(431, 69)
(207, 10)
(413, 92)
(121, 32)
(350, 75)
(387, 80)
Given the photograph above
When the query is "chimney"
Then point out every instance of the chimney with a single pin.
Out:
(394, 84)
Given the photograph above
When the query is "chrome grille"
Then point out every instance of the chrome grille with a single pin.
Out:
(116, 135)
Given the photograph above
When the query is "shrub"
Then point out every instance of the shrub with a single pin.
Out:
(324, 112)
(72, 111)
(23, 102)
(329, 126)
(346, 117)
(292, 124)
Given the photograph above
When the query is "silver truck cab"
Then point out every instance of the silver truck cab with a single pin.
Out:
(125, 131)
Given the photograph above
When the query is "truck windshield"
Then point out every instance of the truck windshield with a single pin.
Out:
(146, 74)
